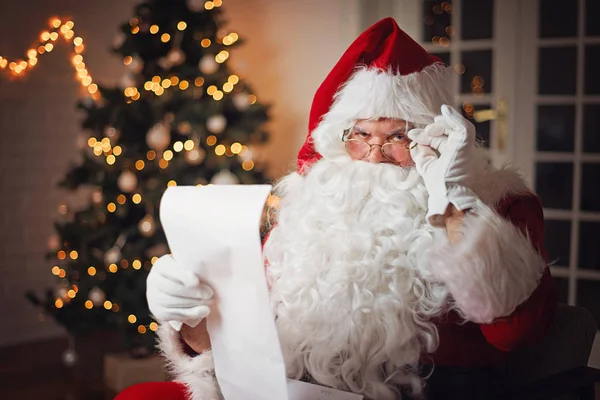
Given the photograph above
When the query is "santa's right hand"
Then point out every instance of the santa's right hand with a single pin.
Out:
(176, 294)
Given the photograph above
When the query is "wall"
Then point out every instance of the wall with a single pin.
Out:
(290, 47)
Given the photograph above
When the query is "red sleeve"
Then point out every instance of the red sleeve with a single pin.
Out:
(532, 319)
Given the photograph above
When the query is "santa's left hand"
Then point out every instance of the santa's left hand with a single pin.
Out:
(447, 175)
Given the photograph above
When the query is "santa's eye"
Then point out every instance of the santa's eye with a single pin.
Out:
(398, 137)
(360, 134)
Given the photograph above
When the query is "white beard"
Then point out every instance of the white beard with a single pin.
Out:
(349, 285)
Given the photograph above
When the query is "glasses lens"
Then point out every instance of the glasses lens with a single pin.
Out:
(394, 151)
(357, 148)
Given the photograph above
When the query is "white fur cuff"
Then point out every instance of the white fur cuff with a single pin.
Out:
(197, 373)
(492, 270)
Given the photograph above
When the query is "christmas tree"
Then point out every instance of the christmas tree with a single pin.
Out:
(181, 117)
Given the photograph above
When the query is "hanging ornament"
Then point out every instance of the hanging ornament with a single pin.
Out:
(241, 101)
(195, 5)
(136, 65)
(208, 65)
(185, 128)
(164, 63)
(216, 124)
(111, 133)
(195, 156)
(53, 242)
(119, 40)
(158, 137)
(147, 226)
(127, 181)
(225, 177)
(176, 56)
(126, 81)
(112, 255)
(97, 296)
(63, 209)
(61, 291)
(97, 196)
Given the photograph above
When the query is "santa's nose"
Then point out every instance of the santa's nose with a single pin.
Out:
(375, 156)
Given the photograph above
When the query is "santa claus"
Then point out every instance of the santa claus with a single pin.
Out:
(401, 264)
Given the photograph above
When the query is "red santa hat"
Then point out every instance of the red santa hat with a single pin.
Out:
(383, 74)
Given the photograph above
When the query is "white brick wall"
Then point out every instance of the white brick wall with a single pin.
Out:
(290, 47)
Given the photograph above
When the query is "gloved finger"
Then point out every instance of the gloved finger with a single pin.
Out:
(453, 117)
(200, 292)
(439, 143)
(178, 274)
(183, 314)
(423, 156)
(435, 129)
(419, 136)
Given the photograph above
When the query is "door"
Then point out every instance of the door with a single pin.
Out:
(527, 72)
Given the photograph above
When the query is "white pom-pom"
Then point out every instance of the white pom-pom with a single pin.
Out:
(97, 296)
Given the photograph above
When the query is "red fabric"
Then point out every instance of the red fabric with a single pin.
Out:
(470, 344)
(384, 45)
(154, 391)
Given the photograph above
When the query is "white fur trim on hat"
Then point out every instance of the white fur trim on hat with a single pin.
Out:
(372, 93)
(196, 373)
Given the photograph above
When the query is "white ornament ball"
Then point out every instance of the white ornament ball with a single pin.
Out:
(61, 292)
(136, 65)
(97, 296)
(225, 177)
(119, 39)
(97, 196)
(176, 57)
(196, 5)
(53, 242)
(216, 124)
(241, 101)
(164, 63)
(158, 137)
(126, 81)
(127, 181)
(195, 156)
(70, 357)
(208, 65)
(111, 133)
(112, 255)
(147, 226)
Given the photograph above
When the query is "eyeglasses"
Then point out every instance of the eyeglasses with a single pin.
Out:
(394, 151)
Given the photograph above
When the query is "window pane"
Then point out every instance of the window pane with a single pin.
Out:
(482, 128)
(554, 184)
(558, 18)
(592, 68)
(589, 251)
(592, 15)
(445, 57)
(557, 70)
(477, 19)
(436, 20)
(591, 128)
(562, 286)
(477, 78)
(556, 128)
(557, 241)
(588, 296)
(590, 187)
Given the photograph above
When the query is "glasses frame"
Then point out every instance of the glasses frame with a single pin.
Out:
(345, 140)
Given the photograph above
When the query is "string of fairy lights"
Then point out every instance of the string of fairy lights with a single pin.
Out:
(64, 29)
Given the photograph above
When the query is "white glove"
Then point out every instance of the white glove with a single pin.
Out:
(176, 294)
(447, 176)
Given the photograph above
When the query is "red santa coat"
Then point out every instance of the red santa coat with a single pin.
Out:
(471, 344)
